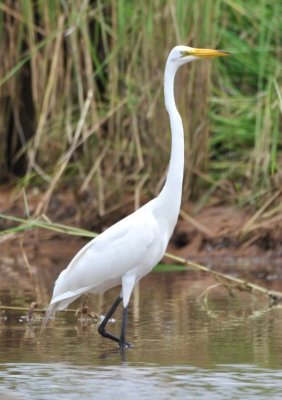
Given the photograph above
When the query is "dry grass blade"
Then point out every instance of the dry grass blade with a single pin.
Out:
(55, 52)
(27, 224)
(45, 105)
(196, 224)
(43, 204)
(250, 224)
(10, 11)
(278, 91)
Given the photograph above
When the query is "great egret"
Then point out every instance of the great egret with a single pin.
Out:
(129, 249)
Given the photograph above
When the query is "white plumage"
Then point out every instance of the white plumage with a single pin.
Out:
(129, 249)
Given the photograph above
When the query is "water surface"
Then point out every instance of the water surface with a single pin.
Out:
(230, 347)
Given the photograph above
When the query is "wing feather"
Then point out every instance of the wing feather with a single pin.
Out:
(104, 260)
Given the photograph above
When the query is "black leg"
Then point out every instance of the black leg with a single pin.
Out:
(122, 343)
(102, 326)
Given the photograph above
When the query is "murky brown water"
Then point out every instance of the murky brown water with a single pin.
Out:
(182, 350)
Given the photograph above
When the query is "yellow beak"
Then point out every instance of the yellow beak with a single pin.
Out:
(208, 53)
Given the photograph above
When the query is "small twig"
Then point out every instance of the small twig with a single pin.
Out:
(38, 310)
(204, 296)
(86, 313)
(207, 290)
(32, 307)
(237, 283)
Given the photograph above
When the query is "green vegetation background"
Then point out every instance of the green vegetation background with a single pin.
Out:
(81, 98)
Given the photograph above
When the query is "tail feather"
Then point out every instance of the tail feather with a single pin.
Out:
(59, 303)
(51, 311)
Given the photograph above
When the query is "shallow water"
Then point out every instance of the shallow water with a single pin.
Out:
(230, 348)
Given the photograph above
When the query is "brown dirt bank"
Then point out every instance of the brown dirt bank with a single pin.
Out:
(221, 237)
(231, 240)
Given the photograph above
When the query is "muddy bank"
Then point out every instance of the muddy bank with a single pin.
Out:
(224, 237)
(221, 237)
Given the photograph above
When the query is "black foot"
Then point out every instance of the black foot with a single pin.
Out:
(125, 345)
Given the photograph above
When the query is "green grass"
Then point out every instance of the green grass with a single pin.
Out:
(252, 73)
(81, 97)
(170, 268)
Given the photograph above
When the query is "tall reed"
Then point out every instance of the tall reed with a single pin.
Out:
(81, 96)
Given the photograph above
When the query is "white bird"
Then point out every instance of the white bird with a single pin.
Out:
(129, 249)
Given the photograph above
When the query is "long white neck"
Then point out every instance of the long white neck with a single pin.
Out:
(169, 199)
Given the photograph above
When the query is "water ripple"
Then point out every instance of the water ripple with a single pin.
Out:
(63, 381)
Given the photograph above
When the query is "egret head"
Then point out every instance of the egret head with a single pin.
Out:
(181, 55)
